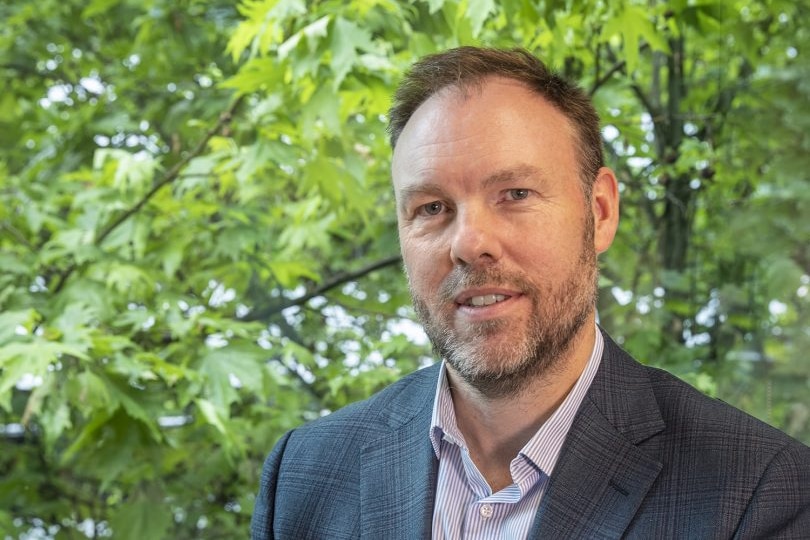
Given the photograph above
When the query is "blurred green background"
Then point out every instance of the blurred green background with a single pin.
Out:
(198, 245)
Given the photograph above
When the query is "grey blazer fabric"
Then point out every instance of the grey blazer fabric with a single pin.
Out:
(647, 456)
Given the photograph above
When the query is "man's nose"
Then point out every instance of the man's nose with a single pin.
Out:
(475, 238)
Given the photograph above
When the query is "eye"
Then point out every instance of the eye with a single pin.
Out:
(433, 208)
(517, 194)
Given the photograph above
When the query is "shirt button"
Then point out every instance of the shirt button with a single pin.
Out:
(485, 510)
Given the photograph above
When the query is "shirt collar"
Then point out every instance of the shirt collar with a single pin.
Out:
(544, 447)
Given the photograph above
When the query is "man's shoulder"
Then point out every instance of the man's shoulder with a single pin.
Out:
(703, 423)
(716, 470)
(315, 478)
(687, 408)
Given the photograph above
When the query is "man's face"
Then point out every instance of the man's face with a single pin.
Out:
(496, 234)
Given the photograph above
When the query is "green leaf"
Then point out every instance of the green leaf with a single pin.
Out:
(212, 415)
(140, 518)
(171, 255)
(261, 30)
(128, 278)
(56, 421)
(257, 74)
(313, 33)
(132, 401)
(478, 11)
(229, 367)
(347, 39)
(291, 273)
(12, 264)
(633, 23)
(16, 323)
(329, 179)
(90, 394)
(783, 277)
(133, 172)
(322, 111)
(32, 358)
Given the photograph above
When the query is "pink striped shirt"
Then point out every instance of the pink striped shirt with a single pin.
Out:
(465, 506)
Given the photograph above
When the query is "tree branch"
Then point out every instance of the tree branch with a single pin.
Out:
(646, 102)
(170, 176)
(17, 235)
(616, 67)
(601, 81)
(173, 173)
(725, 100)
(336, 281)
(293, 335)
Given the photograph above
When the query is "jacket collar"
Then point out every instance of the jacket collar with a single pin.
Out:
(399, 470)
(602, 476)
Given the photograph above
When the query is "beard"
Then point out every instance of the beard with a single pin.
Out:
(501, 357)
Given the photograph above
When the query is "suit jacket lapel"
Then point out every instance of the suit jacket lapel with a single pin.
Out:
(602, 475)
(597, 486)
(398, 472)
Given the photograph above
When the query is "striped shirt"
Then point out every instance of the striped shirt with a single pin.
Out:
(465, 506)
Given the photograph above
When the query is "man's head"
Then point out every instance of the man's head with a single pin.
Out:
(498, 236)
(466, 68)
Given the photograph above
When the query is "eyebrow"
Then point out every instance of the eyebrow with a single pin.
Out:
(410, 192)
(504, 176)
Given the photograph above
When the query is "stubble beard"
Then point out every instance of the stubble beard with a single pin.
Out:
(559, 311)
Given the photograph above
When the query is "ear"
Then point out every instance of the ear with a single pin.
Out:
(605, 208)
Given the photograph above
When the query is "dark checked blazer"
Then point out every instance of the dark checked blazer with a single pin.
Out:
(647, 457)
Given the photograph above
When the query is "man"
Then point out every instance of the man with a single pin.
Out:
(535, 424)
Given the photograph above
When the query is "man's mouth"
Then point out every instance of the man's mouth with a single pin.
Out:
(485, 300)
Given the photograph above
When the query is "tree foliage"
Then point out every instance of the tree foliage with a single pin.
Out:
(198, 238)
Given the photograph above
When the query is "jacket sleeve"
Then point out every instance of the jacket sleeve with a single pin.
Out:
(780, 506)
(261, 525)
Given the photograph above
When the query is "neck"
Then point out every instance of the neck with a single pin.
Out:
(496, 428)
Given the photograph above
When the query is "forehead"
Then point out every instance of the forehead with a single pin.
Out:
(470, 132)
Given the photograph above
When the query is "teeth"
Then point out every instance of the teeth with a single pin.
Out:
(486, 300)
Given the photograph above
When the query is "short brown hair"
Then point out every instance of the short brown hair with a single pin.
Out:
(467, 67)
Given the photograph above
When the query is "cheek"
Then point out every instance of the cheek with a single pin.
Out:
(421, 274)
(558, 236)
(422, 266)
(422, 253)
(545, 257)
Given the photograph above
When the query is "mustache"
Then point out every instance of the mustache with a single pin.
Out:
(465, 277)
